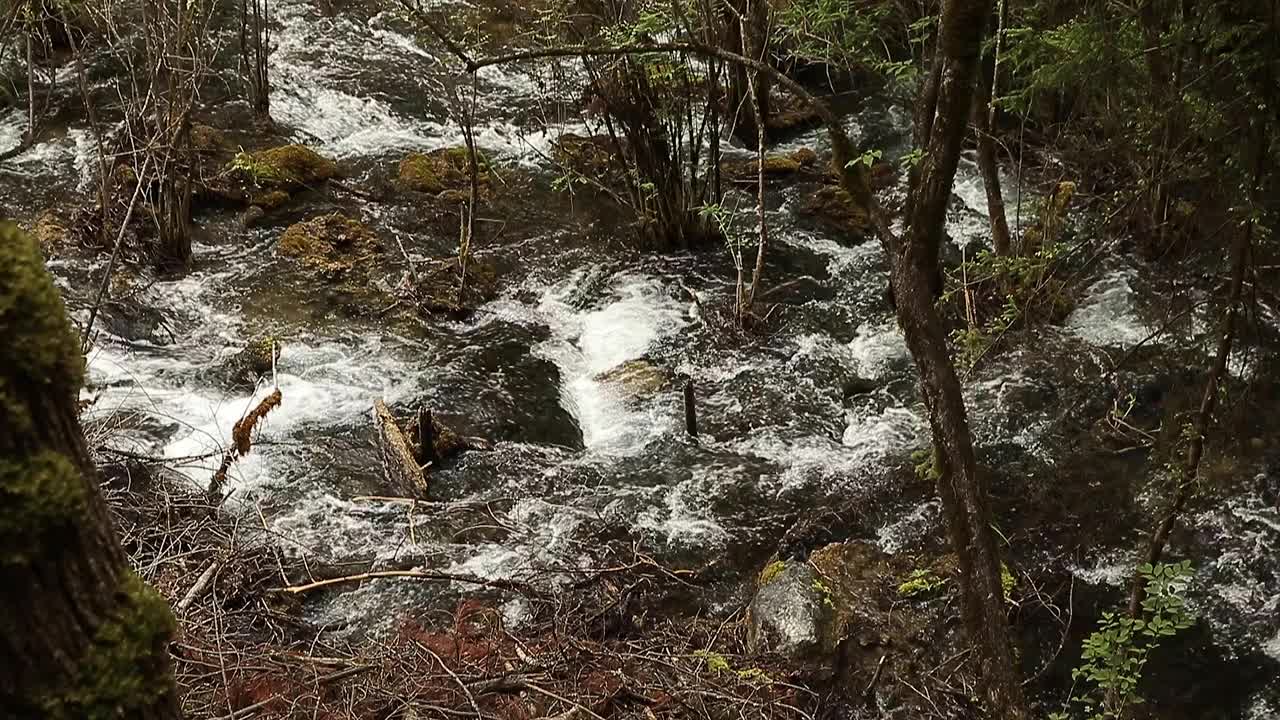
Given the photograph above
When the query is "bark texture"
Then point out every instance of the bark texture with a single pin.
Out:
(80, 635)
(963, 491)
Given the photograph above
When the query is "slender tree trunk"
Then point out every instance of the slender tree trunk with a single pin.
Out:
(80, 635)
(747, 26)
(983, 114)
(915, 266)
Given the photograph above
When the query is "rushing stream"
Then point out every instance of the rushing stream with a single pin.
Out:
(577, 455)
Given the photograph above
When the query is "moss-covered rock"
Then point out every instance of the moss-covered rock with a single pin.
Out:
(269, 199)
(288, 167)
(441, 170)
(437, 289)
(207, 139)
(49, 232)
(334, 244)
(252, 362)
(775, 165)
(635, 379)
(591, 157)
(832, 207)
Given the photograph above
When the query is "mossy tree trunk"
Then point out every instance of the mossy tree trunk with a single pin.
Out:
(81, 637)
(964, 493)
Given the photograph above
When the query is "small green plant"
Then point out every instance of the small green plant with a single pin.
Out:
(1007, 582)
(921, 582)
(716, 664)
(823, 588)
(1115, 655)
(771, 572)
(913, 158)
(867, 158)
(252, 168)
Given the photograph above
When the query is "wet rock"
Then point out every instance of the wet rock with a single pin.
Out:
(638, 379)
(790, 120)
(437, 289)
(837, 602)
(256, 360)
(775, 165)
(251, 216)
(832, 207)
(446, 442)
(592, 157)
(134, 321)
(270, 199)
(50, 232)
(442, 170)
(789, 612)
(334, 245)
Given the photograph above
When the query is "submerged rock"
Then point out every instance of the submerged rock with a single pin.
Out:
(256, 360)
(833, 207)
(638, 379)
(332, 244)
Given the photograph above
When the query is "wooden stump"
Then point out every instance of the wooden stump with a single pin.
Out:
(399, 466)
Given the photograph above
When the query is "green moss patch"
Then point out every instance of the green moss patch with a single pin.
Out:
(125, 670)
(440, 170)
(37, 347)
(333, 244)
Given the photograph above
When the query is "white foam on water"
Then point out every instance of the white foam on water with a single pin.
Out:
(684, 519)
(545, 539)
(585, 343)
(1272, 647)
(877, 349)
(869, 439)
(875, 436)
(1115, 570)
(1108, 315)
(898, 535)
(843, 257)
(12, 126)
(322, 526)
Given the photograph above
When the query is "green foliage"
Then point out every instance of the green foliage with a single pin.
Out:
(825, 591)
(867, 158)
(1114, 655)
(842, 33)
(921, 581)
(998, 293)
(1007, 582)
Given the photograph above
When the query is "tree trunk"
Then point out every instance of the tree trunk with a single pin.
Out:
(746, 25)
(983, 121)
(80, 635)
(915, 265)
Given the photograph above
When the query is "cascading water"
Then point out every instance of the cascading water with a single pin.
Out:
(824, 411)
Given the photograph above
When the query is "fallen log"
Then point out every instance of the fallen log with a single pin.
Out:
(399, 464)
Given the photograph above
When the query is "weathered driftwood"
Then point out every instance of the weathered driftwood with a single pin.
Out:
(399, 464)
